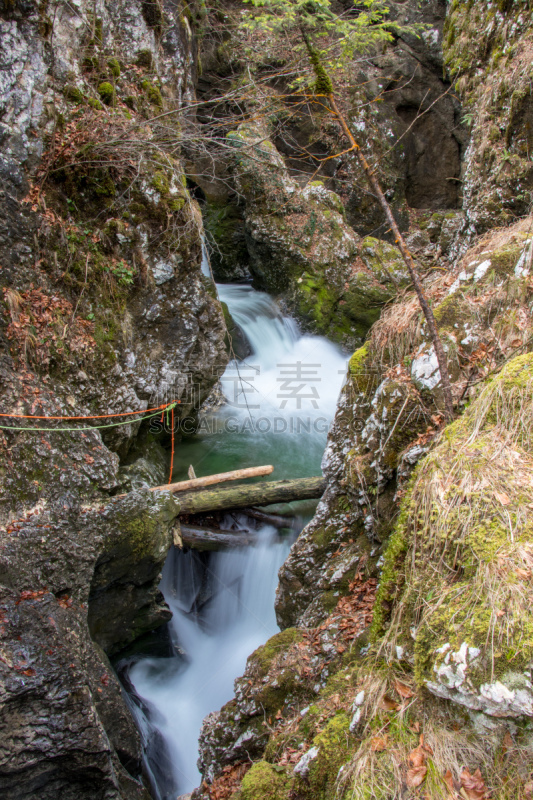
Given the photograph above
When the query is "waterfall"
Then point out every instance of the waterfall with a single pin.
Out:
(280, 402)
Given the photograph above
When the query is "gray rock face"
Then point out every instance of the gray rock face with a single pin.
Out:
(106, 312)
(65, 729)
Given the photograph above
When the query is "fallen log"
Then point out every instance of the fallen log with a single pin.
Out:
(255, 494)
(276, 520)
(213, 538)
(221, 477)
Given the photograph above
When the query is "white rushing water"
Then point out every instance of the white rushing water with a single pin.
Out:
(281, 400)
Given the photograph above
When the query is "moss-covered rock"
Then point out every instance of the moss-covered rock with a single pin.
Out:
(107, 93)
(498, 172)
(153, 93)
(139, 539)
(265, 782)
(225, 228)
(299, 243)
(74, 94)
(384, 261)
(144, 59)
(264, 655)
(457, 572)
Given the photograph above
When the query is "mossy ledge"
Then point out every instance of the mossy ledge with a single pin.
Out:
(457, 571)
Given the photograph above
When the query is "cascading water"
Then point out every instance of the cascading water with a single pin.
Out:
(280, 402)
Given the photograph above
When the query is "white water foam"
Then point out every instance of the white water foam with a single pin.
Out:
(179, 693)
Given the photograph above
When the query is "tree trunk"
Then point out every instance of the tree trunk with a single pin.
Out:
(255, 494)
(408, 259)
(213, 538)
(324, 86)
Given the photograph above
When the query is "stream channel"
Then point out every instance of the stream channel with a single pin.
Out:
(280, 403)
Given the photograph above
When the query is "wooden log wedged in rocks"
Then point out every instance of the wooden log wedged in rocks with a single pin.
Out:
(213, 538)
(255, 494)
(220, 477)
(276, 520)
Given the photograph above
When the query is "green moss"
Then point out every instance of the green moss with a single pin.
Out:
(335, 744)
(106, 91)
(265, 782)
(74, 94)
(384, 261)
(357, 363)
(453, 312)
(144, 59)
(464, 517)
(391, 581)
(99, 30)
(323, 84)
(153, 94)
(90, 63)
(176, 203)
(505, 260)
(277, 644)
(317, 300)
(114, 67)
(330, 599)
(361, 373)
(161, 182)
(94, 103)
(324, 535)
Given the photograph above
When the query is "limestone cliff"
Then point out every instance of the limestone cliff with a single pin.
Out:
(104, 310)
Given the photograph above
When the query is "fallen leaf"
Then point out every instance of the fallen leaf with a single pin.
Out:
(379, 743)
(524, 574)
(416, 776)
(403, 690)
(388, 704)
(473, 787)
(448, 780)
(417, 757)
(507, 743)
(503, 498)
(528, 790)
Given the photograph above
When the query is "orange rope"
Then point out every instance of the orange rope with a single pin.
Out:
(172, 450)
(96, 416)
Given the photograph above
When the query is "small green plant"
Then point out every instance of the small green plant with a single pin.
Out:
(122, 272)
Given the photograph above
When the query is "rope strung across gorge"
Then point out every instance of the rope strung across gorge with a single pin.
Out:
(167, 409)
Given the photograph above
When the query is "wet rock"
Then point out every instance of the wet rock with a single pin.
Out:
(66, 728)
(497, 171)
(124, 601)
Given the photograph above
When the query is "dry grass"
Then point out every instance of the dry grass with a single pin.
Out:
(379, 767)
(467, 529)
(13, 301)
(397, 332)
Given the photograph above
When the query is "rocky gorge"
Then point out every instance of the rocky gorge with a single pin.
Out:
(403, 665)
